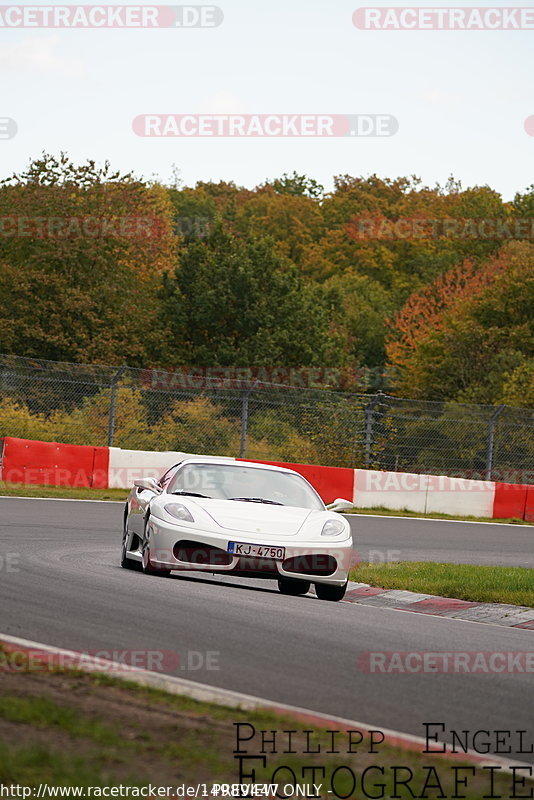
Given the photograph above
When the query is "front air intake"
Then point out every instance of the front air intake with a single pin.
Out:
(203, 555)
(314, 564)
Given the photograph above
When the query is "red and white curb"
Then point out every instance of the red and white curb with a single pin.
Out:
(38, 652)
(494, 613)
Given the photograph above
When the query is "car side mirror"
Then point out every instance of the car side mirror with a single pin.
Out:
(148, 483)
(340, 505)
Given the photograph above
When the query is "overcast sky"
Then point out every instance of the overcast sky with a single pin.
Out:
(461, 97)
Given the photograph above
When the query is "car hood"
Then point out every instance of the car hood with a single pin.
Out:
(256, 518)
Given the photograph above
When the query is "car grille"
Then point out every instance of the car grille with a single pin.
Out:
(201, 554)
(312, 564)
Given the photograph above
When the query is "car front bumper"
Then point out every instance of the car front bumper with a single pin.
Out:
(207, 552)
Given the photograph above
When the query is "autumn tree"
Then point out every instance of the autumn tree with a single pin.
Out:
(293, 221)
(284, 273)
(235, 301)
(371, 227)
(469, 336)
(297, 185)
(362, 308)
(82, 252)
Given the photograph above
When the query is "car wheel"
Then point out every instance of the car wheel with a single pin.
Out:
(294, 588)
(148, 567)
(127, 563)
(333, 593)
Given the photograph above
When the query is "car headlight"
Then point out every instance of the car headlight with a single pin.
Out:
(333, 527)
(179, 511)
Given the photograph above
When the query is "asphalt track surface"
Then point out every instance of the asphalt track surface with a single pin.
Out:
(65, 587)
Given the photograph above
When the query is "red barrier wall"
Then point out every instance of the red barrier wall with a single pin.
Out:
(329, 482)
(26, 461)
(510, 500)
(33, 462)
(100, 471)
(529, 505)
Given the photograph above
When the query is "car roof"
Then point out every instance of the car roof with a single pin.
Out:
(231, 461)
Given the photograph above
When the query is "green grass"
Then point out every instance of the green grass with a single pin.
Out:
(514, 585)
(388, 512)
(22, 490)
(42, 712)
(32, 764)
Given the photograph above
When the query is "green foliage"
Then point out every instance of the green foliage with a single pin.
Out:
(470, 344)
(518, 385)
(298, 185)
(16, 419)
(196, 426)
(282, 275)
(363, 306)
(274, 437)
(234, 301)
(81, 258)
(89, 422)
(86, 424)
(294, 222)
(524, 203)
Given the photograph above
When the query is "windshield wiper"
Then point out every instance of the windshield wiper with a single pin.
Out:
(193, 494)
(256, 500)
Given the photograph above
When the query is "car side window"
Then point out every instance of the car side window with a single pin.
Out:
(167, 477)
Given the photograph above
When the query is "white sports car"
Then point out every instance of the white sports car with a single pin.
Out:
(253, 520)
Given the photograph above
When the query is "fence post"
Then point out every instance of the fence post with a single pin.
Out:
(244, 422)
(113, 403)
(369, 422)
(491, 440)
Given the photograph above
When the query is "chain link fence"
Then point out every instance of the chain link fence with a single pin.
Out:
(191, 412)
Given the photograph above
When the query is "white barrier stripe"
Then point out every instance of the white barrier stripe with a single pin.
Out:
(127, 466)
(423, 494)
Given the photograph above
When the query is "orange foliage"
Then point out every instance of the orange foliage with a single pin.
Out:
(424, 310)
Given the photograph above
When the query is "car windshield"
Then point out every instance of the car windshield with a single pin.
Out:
(239, 482)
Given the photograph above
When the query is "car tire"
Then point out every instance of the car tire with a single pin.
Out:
(152, 569)
(127, 563)
(146, 562)
(293, 588)
(334, 594)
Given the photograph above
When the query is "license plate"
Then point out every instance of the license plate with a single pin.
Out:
(256, 550)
